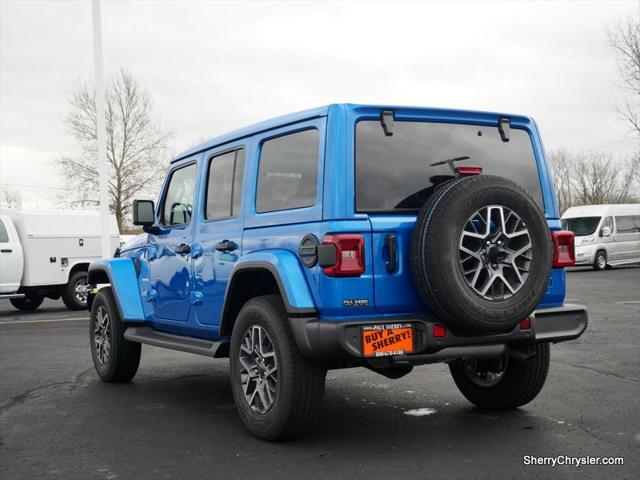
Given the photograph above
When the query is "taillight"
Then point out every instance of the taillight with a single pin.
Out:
(349, 255)
(564, 253)
(467, 171)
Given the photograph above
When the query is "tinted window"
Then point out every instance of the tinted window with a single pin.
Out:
(287, 175)
(628, 224)
(224, 185)
(178, 201)
(394, 172)
(4, 237)
(581, 226)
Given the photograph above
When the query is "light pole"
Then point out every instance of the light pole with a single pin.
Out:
(101, 135)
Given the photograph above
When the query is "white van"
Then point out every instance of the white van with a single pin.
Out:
(47, 254)
(606, 235)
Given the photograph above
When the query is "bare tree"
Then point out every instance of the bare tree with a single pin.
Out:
(10, 197)
(593, 178)
(136, 146)
(562, 168)
(624, 38)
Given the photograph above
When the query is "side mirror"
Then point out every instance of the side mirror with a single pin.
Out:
(605, 232)
(143, 213)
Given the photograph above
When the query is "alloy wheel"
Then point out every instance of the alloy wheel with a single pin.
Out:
(486, 373)
(495, 252)
(102, 335)
(258, 369)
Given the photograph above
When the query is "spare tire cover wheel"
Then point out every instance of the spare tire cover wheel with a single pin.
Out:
(481, 253)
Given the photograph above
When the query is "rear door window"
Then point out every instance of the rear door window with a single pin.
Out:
(395, 173)
(288, 171)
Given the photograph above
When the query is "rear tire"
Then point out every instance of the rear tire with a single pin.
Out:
(28, 303)
(520, 381)
(600, 262)
(73, 294)
(262, 342)
(116, 360)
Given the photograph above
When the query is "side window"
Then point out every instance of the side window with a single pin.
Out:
(178, 201)
(287, 175)
(224, 185)
(4, 236)
(628, 224)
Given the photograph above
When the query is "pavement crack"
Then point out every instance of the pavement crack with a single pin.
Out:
(30, 394)
(601, 372)
(43, 390)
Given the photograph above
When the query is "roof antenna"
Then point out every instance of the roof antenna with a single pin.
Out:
(386, 118)
(504, 128)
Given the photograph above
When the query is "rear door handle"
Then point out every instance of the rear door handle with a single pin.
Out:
(6, 250)
(183, 249)
(226, 246)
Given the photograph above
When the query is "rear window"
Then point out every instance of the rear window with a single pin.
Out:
(394, 173)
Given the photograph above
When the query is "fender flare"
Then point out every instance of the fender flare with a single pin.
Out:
(122, 275)
(287, 271)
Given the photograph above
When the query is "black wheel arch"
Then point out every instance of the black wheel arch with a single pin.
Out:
(250, 280)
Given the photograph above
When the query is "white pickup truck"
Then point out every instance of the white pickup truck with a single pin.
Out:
(46, 254)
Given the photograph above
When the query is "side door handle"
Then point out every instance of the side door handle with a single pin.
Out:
(226, 246)
(183, 249)
(6, 250)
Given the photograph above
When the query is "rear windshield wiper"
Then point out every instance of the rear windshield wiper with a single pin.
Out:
(450, 162)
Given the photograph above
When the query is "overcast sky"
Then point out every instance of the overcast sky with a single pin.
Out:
(211, 67)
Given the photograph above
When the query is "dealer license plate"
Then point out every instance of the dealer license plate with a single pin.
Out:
(387, 339)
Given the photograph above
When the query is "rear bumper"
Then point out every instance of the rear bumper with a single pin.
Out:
(339, 343)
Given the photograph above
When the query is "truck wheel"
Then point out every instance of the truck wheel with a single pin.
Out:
(481, 254)
(277, 392)
(74, 293)
(28, 303)
(503, 383)
(600, 263)
(115, 359)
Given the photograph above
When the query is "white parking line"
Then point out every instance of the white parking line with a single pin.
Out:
(13, 322)
(627, 301)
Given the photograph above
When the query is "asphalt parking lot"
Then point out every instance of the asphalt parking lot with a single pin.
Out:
(177, 418)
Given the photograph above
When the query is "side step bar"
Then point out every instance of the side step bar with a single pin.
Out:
(149, 336)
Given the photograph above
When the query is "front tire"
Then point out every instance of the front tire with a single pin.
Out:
(116, 360)
(600, 262)
(28, 303)
(505, 383)
(277, 392)
(74, 293)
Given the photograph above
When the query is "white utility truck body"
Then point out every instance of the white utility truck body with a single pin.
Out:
(42, 252)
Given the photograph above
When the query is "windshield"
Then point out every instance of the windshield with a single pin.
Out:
(397, 172)
(581, 226)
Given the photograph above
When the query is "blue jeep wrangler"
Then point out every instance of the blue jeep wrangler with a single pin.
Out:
(348, 235)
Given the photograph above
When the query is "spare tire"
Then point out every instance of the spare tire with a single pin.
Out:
(481, 254)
